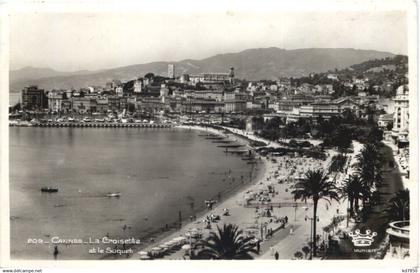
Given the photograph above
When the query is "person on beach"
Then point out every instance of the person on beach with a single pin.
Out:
(55, 252)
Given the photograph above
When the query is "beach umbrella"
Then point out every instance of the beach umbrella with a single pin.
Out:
(167, 245)
(143, 253)
(186, 247)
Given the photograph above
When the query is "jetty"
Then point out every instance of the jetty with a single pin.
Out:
(231, 146)
(223, 141)
(215, 137)
(236, 151)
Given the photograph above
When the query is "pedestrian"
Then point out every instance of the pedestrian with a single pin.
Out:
(258, 246)
(276, 255)
(286, 219)
(291, 230)
(271, 250)
(55, 252)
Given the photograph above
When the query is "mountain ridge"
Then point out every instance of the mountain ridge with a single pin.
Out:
(251, 64)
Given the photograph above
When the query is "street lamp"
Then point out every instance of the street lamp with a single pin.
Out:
(312, 219)
(295, 206)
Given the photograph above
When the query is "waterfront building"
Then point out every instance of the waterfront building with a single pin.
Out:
(34, 98)
(66, 105)
(203, 106)
(55, 100)
(84, 105)
(401, 117)
(102, 104)
(171, 71)
(114, 103)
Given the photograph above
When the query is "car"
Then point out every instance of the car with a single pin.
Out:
(86, 119)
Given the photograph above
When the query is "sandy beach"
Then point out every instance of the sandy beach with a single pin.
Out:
(278, 174)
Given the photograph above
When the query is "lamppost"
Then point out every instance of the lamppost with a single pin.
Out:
(310, 236)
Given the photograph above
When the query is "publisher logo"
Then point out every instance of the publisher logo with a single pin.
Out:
(362, 240)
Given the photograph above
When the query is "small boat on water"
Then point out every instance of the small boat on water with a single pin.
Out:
(113, 194)
(49, 189)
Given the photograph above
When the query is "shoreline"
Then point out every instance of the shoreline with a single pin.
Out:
(230, 193)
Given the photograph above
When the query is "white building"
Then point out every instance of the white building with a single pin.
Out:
(401, 117)
(137, 86)
(171, 71)
(119, 91)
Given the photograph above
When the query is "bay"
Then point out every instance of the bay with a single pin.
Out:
(159, 173)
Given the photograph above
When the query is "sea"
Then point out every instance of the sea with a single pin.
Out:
(162, 175)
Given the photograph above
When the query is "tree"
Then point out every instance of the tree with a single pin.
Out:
(228, 243)
(315, 186)
(368, 165)
(399, 206)
(354, 189)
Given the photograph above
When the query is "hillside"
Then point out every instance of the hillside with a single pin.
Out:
(251, 64)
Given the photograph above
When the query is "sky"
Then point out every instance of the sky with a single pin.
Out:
(92, 41)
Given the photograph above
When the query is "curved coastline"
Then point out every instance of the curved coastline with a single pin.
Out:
(231, 194)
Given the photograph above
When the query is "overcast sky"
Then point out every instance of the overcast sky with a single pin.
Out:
(70, 42)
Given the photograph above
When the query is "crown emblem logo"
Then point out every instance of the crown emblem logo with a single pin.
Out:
(362, 240)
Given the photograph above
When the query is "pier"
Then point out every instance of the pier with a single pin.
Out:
(223, 141)
(231, 146)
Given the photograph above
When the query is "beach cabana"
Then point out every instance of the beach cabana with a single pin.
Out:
(156, 251)
(145, 257)
(141, 253)
(186, 247)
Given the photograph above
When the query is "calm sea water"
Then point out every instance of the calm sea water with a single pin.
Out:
(159, 172)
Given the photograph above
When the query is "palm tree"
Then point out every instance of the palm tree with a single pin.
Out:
(315, 186)
(399, 206)
(228, 244)
(369, 165)
(354, 189)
